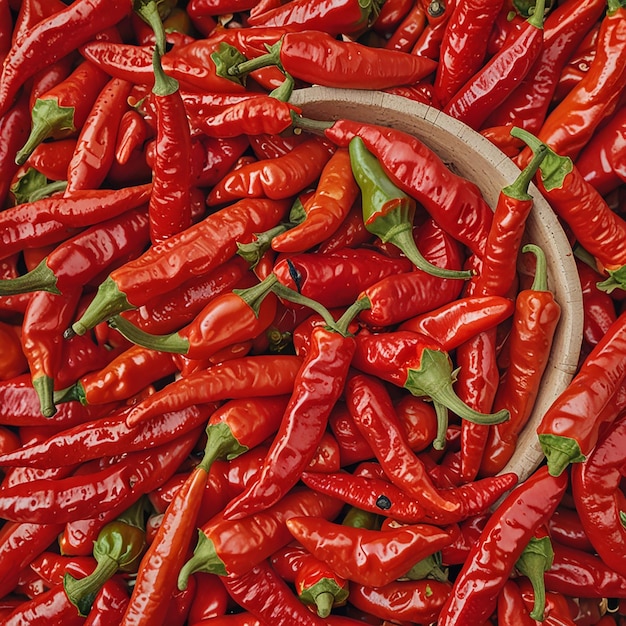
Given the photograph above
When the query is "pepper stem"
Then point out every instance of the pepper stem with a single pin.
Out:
(148, 11)
(285, 89)
(537, 14)
(40, 278)
(560, 451)
(272, 57)
(540, 281)
(44, 386)
(534, 561)
(319, 127)
(253, 252)
(172, 342)
(434, 379)
(221, 444)
(342, 324)
(75, 392)
(518, 189)
(441, 411)
(108, 301)
(82, 591)
(204, 559)
(324, 602)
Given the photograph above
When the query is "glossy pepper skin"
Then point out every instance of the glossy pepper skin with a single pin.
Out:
(318, 58)
(491, 560)
(569, 429)
(317, 388)
(152, 273)
(497, 78)
(55, 37)
(369, 557)
(535, 320)
(598, 497)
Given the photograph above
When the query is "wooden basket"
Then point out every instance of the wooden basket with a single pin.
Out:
(471, 155)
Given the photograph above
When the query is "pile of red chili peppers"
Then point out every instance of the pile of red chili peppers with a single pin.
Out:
(263, 370)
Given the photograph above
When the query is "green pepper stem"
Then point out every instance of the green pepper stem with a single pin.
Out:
(48, 118)
(164, 85)
(358, 518)
(616, 280)
(518, 189)
(536, 559)
(40, 278)
(204, 559)
(317, 127)
(540, 281)
(50, 189)
(615, 5)
(272, 57)
(284, 90)
(44, 386)
(172, 342)
(428, 567)
(108, 301)
(560, 451)
(253, 252)
(148, 10)
(74, 393)
(441, 411)
(221, 444)
(342, 324)
(434, 378)
(82, 592)
(537, 15)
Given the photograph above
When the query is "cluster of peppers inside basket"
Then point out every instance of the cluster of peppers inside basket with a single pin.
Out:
(259, 369)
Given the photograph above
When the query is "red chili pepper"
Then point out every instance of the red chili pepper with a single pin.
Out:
(429, 42)
(464, 45)
(601, 161)
(570, 125)
(211, 599)
(95, 149)
(303, 422)
(406, 34)
(454, 202)
(604, 235)
(564, 29)
(576, 572)
(232, 547)
(370, 557)
(566, 528)
(14, 129)
(83, 495)
(511, 608)
(169, 209)
(456, 322)
(598, 496)
(64, 109)
(316, 57)
(53, 38)
(219, 7)
(537, 314)
(52, 158)
(52, 566)
(491, 560)
(109, 604)
(277, 179)
(348, 17)
(569, 429)
(413, 601)
(13, 361)
(262, 375)
(392, 12)
(134, 283)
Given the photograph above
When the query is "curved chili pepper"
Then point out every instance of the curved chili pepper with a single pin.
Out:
(368, 557)
(55, 37)
(601, 161)
(571, 123)
(454, 202)
(564, 29)
(464, 45)
(82, 495)
(569, 429)
(565, 528)
(391, 15)
(348, 17)
(511, 608)
(123, 377)
(303, 422)
(417, 601)
(95, 148)
(211, 599)
(575, 572)
(491, 560)
(318, 58)
(105, 436)
(335, 194)
(370, 493)
(169, 209)
(536, 317)
(603, 237)
(419, 364)
(456, 322)
(560, 611)
(132, 134)
(337, 278)
(497, 78)
(63, 109)
(134, 283)
(109, 604)
(262, 592)
(52, 158)
(405, 36)
(387, 211)
(232, 547)
(598, 496)
(428, 44)
(277, 179)
(262, 375)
